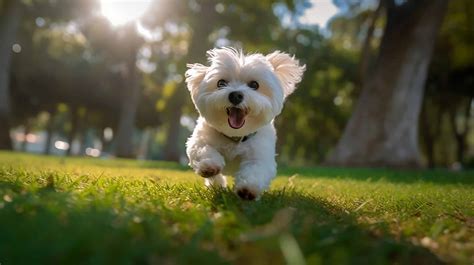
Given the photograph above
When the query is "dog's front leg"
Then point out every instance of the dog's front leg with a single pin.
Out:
(206, 161)
(254, 177)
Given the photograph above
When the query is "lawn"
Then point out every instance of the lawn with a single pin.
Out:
(89, 211)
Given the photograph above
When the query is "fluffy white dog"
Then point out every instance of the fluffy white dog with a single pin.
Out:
(237, 97)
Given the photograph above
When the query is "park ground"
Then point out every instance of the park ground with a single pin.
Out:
(76, 210)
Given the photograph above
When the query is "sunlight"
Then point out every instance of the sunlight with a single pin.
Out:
(119, 12)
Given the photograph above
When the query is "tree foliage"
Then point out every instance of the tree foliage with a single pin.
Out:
(77, 67)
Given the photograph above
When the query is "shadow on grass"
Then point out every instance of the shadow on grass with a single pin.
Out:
(50, 226)
(47, 226)
(313, 229)
(437, 176)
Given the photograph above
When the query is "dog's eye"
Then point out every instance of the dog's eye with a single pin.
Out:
(221, 83)
(253, 85)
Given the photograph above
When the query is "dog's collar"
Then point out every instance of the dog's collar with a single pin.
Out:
(240, 139)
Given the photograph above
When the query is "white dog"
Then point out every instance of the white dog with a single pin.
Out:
(237, 97)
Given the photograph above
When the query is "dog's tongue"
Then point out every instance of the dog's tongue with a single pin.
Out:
(236, 118)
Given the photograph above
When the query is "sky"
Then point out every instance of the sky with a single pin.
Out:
(320, 13)
(121, 11)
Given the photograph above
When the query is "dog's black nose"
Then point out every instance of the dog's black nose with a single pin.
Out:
(236, 97)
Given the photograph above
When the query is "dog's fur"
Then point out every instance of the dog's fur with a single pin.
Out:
(217, 145)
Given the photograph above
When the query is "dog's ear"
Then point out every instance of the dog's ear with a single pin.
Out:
(194, 76)
(288, 70)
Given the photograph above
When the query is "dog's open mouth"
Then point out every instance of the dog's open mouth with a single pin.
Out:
(236, 117)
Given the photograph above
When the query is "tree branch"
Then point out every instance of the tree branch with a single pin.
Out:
(365, 53)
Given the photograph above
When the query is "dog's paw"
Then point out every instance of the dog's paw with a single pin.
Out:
(247, 194)
(207, 170)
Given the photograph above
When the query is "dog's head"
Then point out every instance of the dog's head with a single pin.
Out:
(238, 94)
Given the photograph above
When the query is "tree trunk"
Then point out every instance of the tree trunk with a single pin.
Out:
(130, 97)
(106, 143)
(151, 141)
(74, 128)
(383, 129)
(126, 127)
(10, 20)
(199, 44)
(26, 131)
(431, 127)
(366, 46)
(81, 139)
(81, 134)
(460, 132)
(49, 131)
(171, 149)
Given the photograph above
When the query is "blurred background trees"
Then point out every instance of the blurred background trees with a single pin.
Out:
(383, 129)
(74, 82)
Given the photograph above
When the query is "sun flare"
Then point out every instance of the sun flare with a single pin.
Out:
(119, 12)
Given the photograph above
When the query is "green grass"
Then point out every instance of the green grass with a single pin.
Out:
(63, 211)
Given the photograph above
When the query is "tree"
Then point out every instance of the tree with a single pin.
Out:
(209, 21)
(383, 129)
(324, 97)
(10, 18)
(131, 89)
(12, 14)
